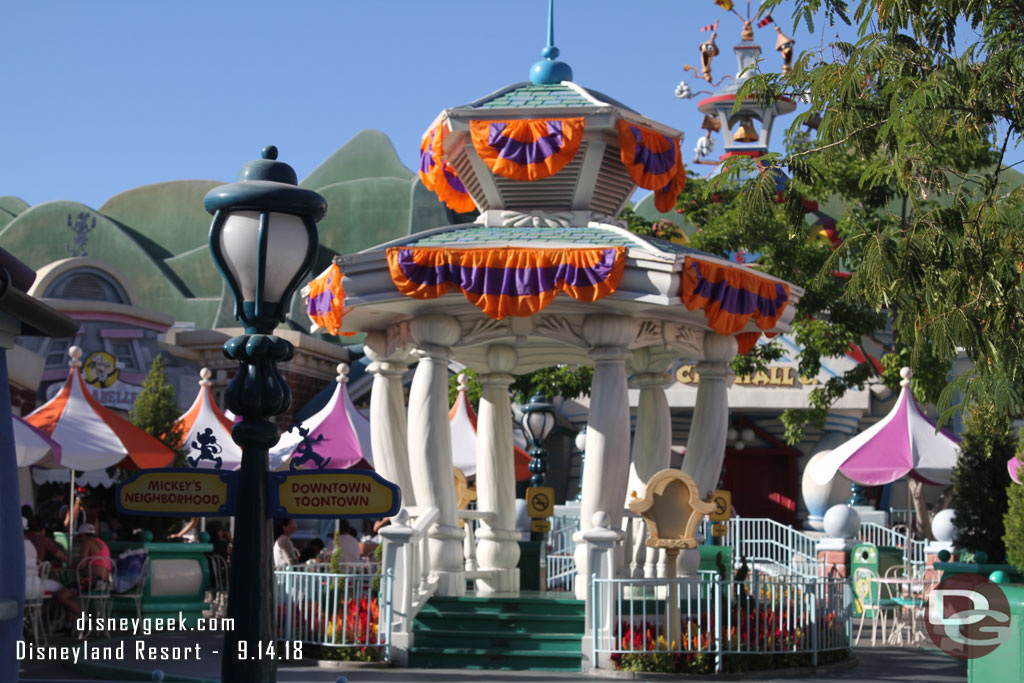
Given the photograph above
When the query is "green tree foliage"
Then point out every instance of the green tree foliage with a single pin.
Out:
(826, 323)
(156, 408)
(980, 480)
(926, 103)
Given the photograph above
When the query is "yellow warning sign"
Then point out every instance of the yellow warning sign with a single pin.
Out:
(540, 525)
(540, 502)
(719, 529)
(723, 506)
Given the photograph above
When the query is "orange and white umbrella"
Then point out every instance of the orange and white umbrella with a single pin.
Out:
(462, 420)
(206, 432)
(93, 437)
(34, 447)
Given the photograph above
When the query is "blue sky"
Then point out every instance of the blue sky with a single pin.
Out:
(103, 96)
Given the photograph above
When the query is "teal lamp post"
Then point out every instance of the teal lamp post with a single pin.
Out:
(264, 240)
(537, 421)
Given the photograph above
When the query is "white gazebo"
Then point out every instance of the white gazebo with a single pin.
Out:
(546, 274)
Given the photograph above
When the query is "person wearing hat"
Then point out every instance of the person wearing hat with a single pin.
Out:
(95, 554)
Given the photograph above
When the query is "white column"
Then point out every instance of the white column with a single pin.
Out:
(430, 447)
(652, 443)
(389, 435)
(606, 466)
(498, 547)
(705, 447)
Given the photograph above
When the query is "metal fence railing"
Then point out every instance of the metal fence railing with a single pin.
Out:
(773, 545)
(708, 624)
(350, 608)
(882, 536)
(561, 567)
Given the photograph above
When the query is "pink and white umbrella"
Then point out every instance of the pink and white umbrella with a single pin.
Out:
(1013, 464)
(206, 432)
(904, 442)
(33, 446)
(328, 439)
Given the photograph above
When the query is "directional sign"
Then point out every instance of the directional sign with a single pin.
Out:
(719, 529)
(723, 506)
(540, 502)
(177, 492)
(330, 494)
(540, 525)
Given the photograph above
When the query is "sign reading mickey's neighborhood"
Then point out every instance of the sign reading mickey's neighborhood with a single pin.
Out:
(178, 493)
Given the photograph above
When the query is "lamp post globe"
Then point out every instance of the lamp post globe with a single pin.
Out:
(537, 421)
(263, 239)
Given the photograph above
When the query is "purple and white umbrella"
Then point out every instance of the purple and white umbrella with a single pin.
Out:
(904, 442)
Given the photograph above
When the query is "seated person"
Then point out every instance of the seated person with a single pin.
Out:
(36, 586)
(284, 552)
(95, 555)
(46, 548)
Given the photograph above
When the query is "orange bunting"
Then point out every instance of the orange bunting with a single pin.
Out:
(527, 149)
(325, 301)
(438, 175)
(732, 296)
(507, 281)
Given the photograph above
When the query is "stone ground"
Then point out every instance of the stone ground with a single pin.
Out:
(874, 665)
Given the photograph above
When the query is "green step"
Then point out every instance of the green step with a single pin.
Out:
(507, 605)
(470, 658)
(518, 623)
(501, 640)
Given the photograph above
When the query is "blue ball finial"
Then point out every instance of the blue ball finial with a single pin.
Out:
(269, 152)
(548, 71)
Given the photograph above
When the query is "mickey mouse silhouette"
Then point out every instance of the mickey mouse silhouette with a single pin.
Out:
(305, 450)
(208, 449)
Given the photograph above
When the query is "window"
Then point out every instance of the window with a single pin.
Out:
(57, 353)
(124, 353)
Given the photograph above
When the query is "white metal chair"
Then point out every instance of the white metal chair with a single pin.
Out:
(94, 592)
(35, 599)
(218, 590)
(135, 592)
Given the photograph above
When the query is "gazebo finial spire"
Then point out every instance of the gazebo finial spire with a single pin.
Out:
(549, 71)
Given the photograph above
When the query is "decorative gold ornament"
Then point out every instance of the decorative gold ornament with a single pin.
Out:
(671, 508)
(784, 44)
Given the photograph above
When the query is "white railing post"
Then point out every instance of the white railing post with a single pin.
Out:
(600, 548)
(397, 558)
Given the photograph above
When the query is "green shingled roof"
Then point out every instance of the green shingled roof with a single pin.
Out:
(557, 95)
(469, 236)
(529, 96)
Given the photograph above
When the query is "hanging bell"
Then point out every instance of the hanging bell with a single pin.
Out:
(746, 131)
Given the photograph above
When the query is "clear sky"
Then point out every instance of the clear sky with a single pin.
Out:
(104, 96)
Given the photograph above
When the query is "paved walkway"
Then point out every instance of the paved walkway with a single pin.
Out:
(874, 665)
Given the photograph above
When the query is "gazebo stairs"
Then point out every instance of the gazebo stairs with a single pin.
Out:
(515, 632)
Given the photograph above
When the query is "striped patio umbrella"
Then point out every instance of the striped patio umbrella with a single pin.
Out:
(206, 432)
(33, 446)
(93, 437)
(327, 439)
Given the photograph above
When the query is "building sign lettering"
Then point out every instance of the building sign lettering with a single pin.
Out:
(777, 376)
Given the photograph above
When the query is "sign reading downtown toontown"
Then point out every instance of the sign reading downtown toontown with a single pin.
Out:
(175, 492)
(332, 494)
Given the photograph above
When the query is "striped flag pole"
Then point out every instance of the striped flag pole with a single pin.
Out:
(764, 22)
(710, 27)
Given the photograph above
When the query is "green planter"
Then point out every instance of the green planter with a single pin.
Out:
(179, 575)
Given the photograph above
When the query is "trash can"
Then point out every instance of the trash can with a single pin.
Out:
(868, 560)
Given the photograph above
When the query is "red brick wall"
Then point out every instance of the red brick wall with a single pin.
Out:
(837, 559)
